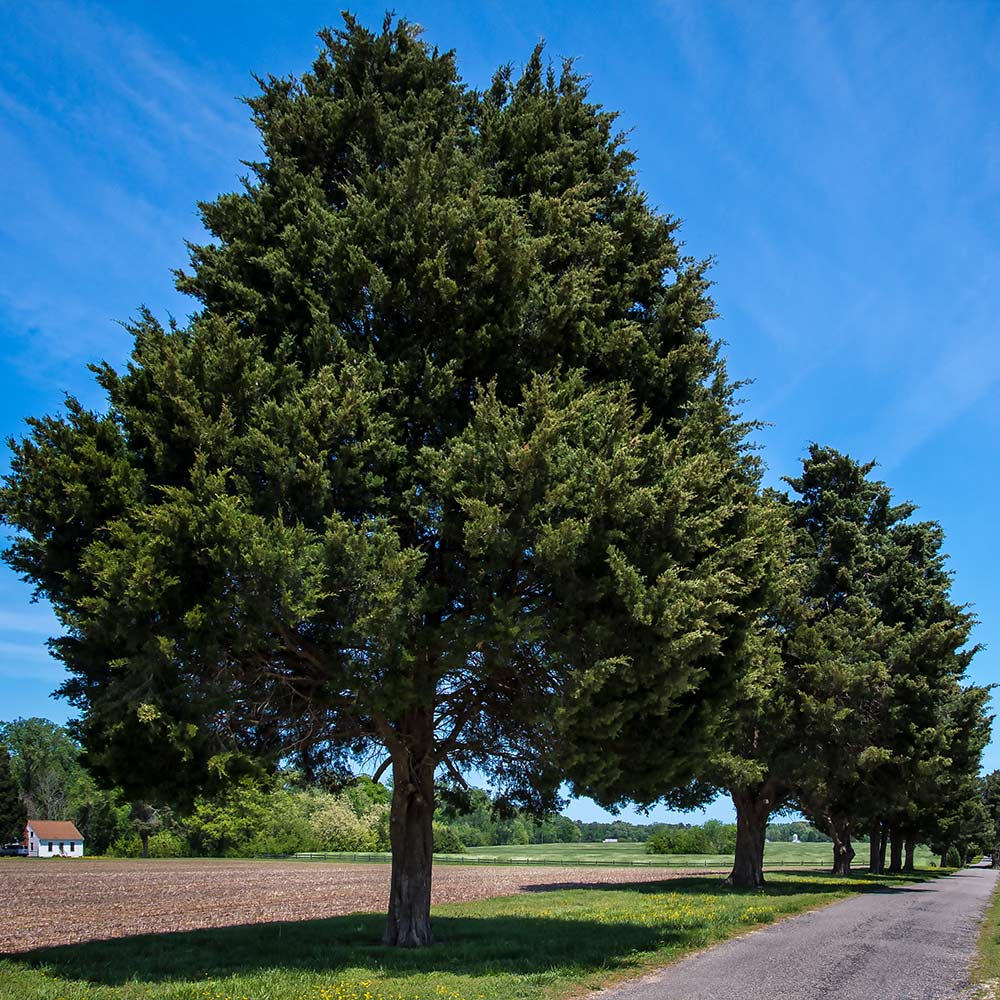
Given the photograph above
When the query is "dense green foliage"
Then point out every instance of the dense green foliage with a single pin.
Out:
(277, 814)
(12, 810)
(442, 438)
(991, 803)
(878, 660)
(44, 764)
(444, 467)
(52, 783)
(711, 837)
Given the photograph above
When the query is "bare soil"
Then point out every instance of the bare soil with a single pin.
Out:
(46, 902)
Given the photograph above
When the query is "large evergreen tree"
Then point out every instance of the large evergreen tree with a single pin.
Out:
(444, 468)
(927, 666)
(761, 743)
(877, 661)
(834, 655)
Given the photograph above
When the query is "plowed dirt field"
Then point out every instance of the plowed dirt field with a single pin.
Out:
(49, 902)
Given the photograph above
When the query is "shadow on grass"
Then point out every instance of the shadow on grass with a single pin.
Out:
(801, 882)
(487, 945)
(477, 946)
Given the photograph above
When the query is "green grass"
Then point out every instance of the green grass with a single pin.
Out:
(776, 855)
(537, 946)
(812, 855)
(986, 968)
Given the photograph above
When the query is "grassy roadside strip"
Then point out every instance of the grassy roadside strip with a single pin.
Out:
(535, 946)
(986, 967)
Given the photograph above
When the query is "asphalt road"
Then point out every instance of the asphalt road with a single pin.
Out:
(907, 943)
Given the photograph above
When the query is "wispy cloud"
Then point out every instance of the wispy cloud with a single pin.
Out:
(37, 621)
(961, 375)
(27, 661)
(116, 138)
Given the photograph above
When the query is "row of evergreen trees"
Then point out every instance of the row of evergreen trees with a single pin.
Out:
(446, 470)
(854, 706)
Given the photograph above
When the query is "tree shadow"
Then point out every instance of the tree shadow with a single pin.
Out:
(815, 882)
(515, 945)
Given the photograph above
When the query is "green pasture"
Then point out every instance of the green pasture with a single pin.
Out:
(778, 854)
(537, 946)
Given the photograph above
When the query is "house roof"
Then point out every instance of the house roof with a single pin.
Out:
(54, 829)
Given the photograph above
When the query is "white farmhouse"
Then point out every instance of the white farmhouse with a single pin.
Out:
(47, 838)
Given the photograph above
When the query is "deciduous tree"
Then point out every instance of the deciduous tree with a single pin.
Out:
(45, 764)
(12, 812)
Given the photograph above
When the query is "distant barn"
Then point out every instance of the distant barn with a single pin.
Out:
(47, 838)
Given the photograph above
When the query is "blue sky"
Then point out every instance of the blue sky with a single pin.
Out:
(841, 162)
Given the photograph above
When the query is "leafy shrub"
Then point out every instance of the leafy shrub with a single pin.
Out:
(165, 844)
(690, 841)
(446, 840)
(339, 828)
(126, 846)
(953, 859)
(711, 838)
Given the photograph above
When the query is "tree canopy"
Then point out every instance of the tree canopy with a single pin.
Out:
(13, 815)
(853, 705)
(444, 467)
(878, 660)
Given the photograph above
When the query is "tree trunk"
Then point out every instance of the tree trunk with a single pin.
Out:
(411, 835)
(944, 857)
(144, 837)
(843, 852)
(895, 850)
(883, 843)
(909, 846)
(753, 808)
(875, 862)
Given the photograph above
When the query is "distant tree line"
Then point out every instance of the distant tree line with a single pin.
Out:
(784, 833)
(854, 706)
(41, 773)
(42, 776)
(716, 837)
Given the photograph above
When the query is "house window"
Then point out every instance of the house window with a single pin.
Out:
(50, 845)
(62, 846)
